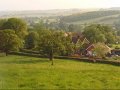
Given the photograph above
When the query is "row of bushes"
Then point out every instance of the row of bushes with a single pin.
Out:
(27, 54)
(70, 58)
(29, 51)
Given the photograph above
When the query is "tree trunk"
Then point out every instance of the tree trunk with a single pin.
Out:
(51, 57)
(6, 53)
(52, 62)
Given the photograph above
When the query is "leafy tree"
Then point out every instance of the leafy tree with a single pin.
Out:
(31, 40)
(39, 26)
(110, 37)
(118, 40)
(118, 32)
(63, 26)
(75, 28)
(18, 25)
(9, 41)
(2, 21)
(117, 24)
(71, 27)
(51, 43)
(100, 33)
(109, 33)
(101, 50)
(69, 47)
(93, 34)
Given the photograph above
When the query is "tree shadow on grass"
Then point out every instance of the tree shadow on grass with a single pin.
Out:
(28, 61)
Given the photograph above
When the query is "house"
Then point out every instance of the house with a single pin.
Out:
(83, 47)
(79, 37)
(81, 43)
(89, 50)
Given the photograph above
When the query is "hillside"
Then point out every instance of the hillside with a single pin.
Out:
(20, 72)
(106, 17)
(41, 13)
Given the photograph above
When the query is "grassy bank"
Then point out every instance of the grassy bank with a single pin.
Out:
(20, 72)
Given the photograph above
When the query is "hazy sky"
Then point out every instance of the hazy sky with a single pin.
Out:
(55, 4)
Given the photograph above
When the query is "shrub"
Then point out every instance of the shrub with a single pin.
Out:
(101, 50)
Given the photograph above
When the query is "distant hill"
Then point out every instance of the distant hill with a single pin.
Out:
(39, 13)
(43, 13)
(105, 17)
(70, 16)
(114, 8)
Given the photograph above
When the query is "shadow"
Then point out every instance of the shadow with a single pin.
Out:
(23, 61)
(114, 63)
(42, 59)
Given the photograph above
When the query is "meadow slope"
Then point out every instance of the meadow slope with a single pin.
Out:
(20, 72)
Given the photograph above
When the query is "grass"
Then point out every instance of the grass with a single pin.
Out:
(116, 45)
(17, 72)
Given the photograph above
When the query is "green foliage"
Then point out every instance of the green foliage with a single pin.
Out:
(117, 24)
(31, 40)
(99, 33)
(93, 34)
(118, 40)
(39, 26)
(51, 42)
(2, 22)
(18, 25)
(9, 41)
(115, 46)
(54, 43)
(111, 38)
(118, 32)
(101, 50)
(75, 28)
(69, 47)
(63, 26)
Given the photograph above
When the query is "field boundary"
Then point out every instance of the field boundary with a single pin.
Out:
(116, 63)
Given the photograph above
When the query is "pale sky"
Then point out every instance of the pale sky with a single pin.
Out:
(55, 4)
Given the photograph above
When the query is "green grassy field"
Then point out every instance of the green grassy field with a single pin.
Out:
(17, 72)
(116, 45)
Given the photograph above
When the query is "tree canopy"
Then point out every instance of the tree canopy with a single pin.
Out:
(9, 41)
(100, 33)
(16, 24)
(31, 40)
(51, 42)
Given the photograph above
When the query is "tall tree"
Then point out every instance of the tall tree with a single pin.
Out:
(18, 25)
(39, 26)
(100, 49)
(93, 34)
(63, 26)
(51, 43)
(2, 21)
(100, 33)
(31, 40)
(9, 41)
(71, 28)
